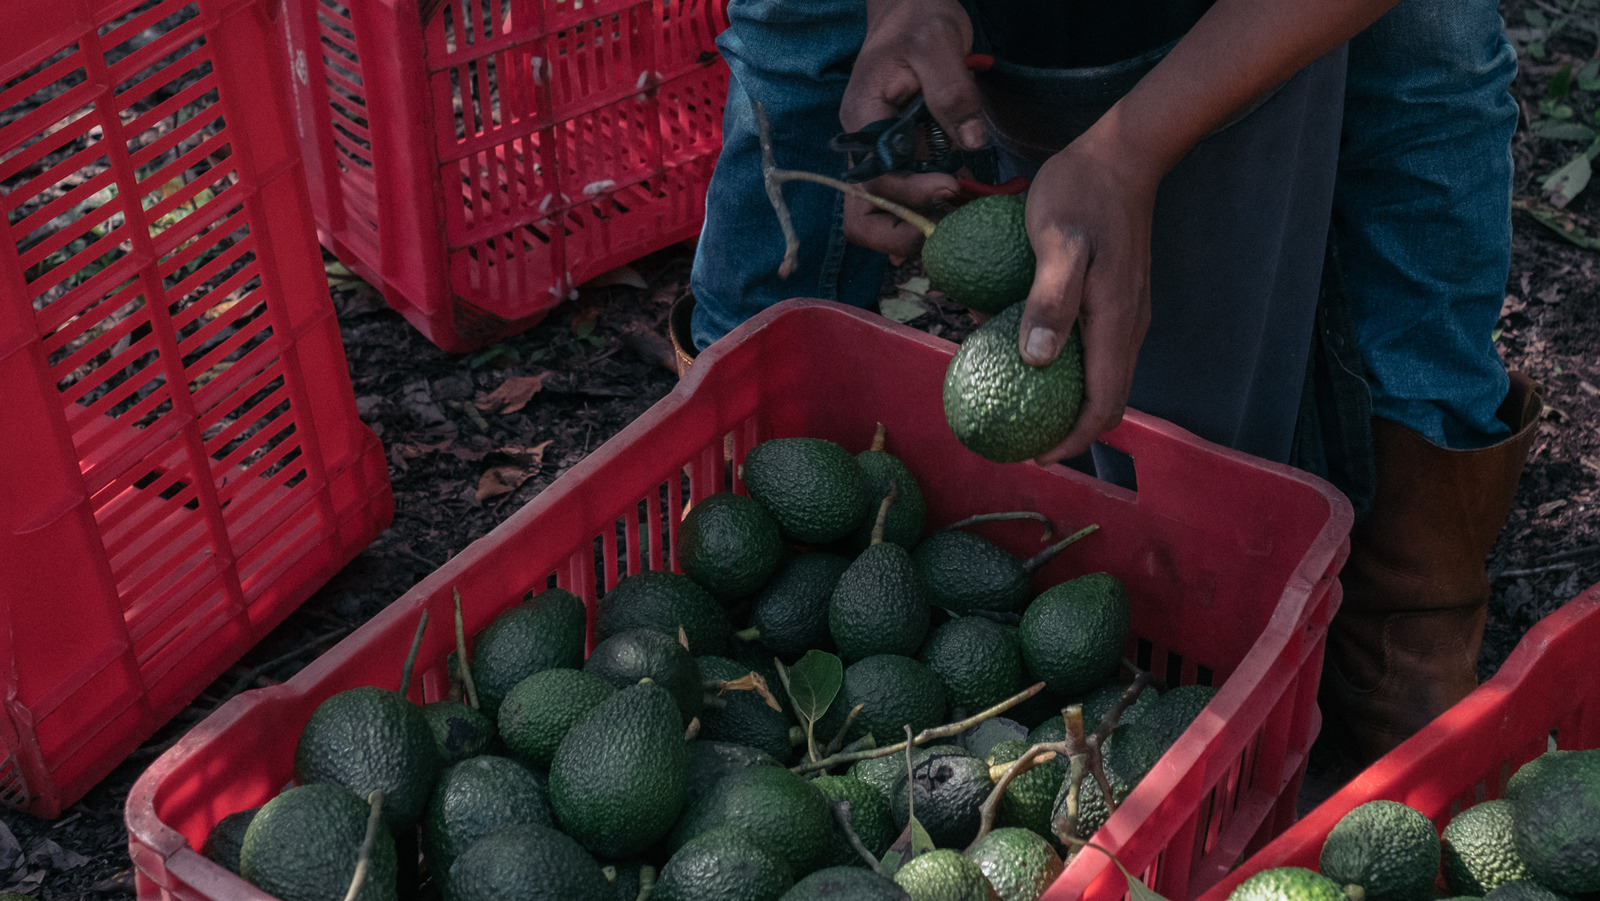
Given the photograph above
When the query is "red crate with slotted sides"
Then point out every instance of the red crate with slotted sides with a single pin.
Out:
(182, 464)
(1229, 562)
(1546, 696)
(475, 160)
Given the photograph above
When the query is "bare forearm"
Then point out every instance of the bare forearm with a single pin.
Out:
(1235, 54)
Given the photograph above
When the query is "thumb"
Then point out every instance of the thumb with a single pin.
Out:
(1057, 293)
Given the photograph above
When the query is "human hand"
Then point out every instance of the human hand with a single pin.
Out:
(1089, 216)
(912, 47)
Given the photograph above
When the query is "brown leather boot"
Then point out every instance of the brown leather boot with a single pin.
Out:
(683, 349)
(1404, 644)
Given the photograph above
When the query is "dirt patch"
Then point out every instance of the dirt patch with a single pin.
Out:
(470, 438)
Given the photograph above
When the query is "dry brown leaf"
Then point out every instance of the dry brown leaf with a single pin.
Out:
(498, 480)
(513, 394)
(753, 681)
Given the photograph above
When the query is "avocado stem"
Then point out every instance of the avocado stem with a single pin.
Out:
(411, 656)
(468, 685)
(883, 512)
(980, 518)
(1043, 557)
(1002, 774)
(364, 856)
(880, 437)
(647, 882)
(922, 223)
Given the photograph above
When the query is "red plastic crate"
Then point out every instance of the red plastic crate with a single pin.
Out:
(1229, 561)
(475, 160)
(182, 462)
(1546, 695)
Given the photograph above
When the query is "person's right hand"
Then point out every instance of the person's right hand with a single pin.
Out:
(912, 47)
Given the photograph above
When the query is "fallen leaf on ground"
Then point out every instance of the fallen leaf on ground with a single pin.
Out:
(513, 394)
(507, 477)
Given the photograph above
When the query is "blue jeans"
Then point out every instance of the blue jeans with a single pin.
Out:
(795, 58)
(1422, 214)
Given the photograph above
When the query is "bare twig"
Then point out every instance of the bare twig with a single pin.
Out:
(1035, 755)
(774, 179)
(841, 815)
(838, 738)
(922, 737)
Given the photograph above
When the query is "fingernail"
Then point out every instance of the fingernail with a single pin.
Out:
(972, 136)
(1041, 343)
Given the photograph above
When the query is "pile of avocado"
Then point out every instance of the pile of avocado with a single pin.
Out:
(1539, 841)
(672, 759)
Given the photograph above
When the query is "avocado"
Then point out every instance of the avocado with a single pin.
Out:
(790, 615)
(459, 730)
(529, 863)
(1526, 890)
(943, 875)
(904, 522)
(814, 487)
(964, 572)
(1388, 848)
(730, 545)
(620, 776)
(628, 657)
(370, 738)
(1000, 406)
(728, 863)
(894, 691)
(711, 761)
(545, 631)
(980, 256)
(1555, 815)
(1073, 633)
(886, 773)
(782, 809)
(225, 839)
(879, 606)
(1018, 863)
(1029, 800)
(1288, 884)
(664, 602)
(303, 845)
(742, 716)
(474, 798)
(1173, 712)
(977, 661)
(1480, 849)
(870, 818)
(540, 709)
(947, 790)
(845, 884)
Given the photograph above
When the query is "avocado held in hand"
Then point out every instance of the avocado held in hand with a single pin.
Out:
(1000, 406)
(980, 256)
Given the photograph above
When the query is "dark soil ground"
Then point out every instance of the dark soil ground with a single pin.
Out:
(459, 468)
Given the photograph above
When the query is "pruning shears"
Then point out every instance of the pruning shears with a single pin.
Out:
(913, 142)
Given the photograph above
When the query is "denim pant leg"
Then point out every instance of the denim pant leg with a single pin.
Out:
(794, 56)
(1422, 213)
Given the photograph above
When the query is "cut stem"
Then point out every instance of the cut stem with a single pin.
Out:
(469, 687)
(978, 519)
(411, 656)
(364, 855)
(1043, 557)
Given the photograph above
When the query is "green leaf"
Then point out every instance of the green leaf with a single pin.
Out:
(1565, 131)
(1560, 85)
(1588, 78)
(1536, 49)
(890, 862)
(1537, 18)
(814, 682)
(902, 309)
(921, 841)
(1137, 890)
(1560, 222)
(1566, 183)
